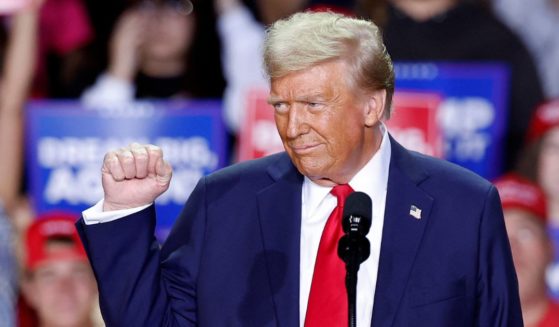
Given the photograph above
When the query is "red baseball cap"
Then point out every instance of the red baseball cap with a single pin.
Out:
(545, 118)
(332, 8)
(52, 226)
(517, 192)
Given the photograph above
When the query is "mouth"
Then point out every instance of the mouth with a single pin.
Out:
(304, 148)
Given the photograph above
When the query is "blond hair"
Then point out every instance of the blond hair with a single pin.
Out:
(307, 39)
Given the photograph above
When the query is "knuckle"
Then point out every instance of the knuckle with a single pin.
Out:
(153, 149)
(140, 154)
(126, 155)
(110, 156)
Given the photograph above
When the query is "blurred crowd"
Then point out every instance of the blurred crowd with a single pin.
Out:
(111, 52)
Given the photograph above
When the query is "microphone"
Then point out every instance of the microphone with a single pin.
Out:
(357, 214)
(354, 247)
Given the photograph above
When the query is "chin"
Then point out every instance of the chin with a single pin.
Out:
(312, 172)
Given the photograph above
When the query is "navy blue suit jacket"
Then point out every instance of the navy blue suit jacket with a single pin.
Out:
(232, 258)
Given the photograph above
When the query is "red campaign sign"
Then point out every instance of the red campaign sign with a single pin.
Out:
(259, 136)
(414, 122)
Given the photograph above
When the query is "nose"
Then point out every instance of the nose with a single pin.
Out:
(297, 123)
(64, 283)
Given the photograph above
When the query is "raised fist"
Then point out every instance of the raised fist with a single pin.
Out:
(134, 176)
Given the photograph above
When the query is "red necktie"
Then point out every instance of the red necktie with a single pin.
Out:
(327, 304)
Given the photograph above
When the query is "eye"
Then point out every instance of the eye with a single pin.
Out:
(81, 273)
(280, 107)
(525, 235)
(45, 275)
(315, 105)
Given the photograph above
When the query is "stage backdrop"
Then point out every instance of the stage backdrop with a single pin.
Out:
(66, 144)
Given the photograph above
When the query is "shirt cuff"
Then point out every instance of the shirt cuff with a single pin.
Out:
(96, 215)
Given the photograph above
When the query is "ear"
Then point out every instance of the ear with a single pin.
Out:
(374, 110)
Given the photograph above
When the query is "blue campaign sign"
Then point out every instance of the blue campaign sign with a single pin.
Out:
(473, 111)
(66, 144)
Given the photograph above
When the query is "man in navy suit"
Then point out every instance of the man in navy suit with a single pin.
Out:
(244, 250)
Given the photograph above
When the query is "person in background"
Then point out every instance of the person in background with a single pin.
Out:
(65, 32)
(462, 31)
(540, 163)
(537, 23)
(58, 283)
(524, 208)
(156, 52)
(18, 62)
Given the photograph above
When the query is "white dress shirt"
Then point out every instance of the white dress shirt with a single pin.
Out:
(318, 203)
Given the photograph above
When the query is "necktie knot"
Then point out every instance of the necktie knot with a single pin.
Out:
(341, 192)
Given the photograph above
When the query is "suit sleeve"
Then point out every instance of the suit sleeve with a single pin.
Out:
(139, 283)
(498, 302)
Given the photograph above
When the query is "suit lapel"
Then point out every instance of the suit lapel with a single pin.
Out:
(402, 233)
(279, 214)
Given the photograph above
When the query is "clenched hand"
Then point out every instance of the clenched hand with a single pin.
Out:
(134, 176)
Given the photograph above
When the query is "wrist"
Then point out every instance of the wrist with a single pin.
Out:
(109, 206)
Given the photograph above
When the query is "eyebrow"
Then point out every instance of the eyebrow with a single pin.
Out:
(304, 98)
(273, 99)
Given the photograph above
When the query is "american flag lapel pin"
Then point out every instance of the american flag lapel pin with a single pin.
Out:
(415, 212)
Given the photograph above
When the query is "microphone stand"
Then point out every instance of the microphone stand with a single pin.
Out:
(352, 267)
(353, 249)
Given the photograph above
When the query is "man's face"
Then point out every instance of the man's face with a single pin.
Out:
(169, 35)
(328, 128)
(531, 251)
(63, 292)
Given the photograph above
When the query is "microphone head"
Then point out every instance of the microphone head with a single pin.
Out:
(357, 213)
(353, 250)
